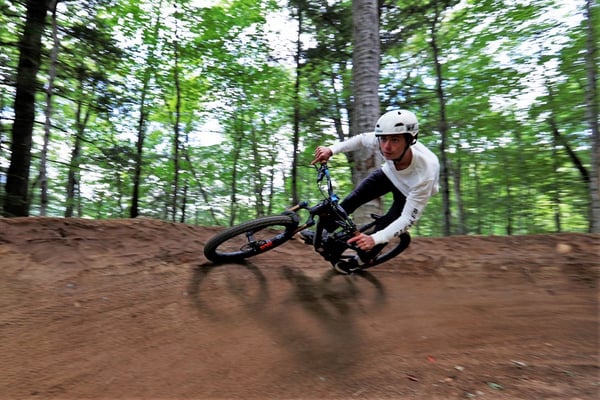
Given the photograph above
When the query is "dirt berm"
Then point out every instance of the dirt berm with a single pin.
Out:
(130, 309)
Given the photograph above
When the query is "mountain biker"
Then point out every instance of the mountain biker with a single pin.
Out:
(410, 172)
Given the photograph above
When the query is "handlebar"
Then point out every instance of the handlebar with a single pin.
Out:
(323, 173)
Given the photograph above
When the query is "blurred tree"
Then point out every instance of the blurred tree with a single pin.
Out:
(16, 202)
(365, 89)
(196, 116)
(592, 108)
(48, 109)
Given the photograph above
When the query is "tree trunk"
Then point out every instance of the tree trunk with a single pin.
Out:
(442, 126)
(139, 146)
(555, 196)
(296, 137)
(176, 137)
(591, 100)
(184, 201)
(141, 126)
(73, 176)
(257, 178)
(508, 199)
(479, 196)
(461, 226)
(48, 113)
(366, 108)
(81, 119)
(577, 163)
(16, 202)
(237, 150)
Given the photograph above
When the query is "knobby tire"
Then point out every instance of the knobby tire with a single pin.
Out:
(390, 251)
(250, 238)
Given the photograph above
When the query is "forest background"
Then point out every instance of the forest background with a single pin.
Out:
(208, 112)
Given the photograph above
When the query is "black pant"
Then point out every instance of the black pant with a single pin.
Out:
(373, 186)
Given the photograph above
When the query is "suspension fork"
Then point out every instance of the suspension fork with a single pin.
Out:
(293, 212)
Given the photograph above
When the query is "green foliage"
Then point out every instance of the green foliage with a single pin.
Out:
(513, 77)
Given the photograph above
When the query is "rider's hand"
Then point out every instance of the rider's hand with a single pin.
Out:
(364, 242)
(322, 154)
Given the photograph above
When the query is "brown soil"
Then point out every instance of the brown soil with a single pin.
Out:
(126, 309)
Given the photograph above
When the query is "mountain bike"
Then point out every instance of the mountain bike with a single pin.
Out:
(333, 228)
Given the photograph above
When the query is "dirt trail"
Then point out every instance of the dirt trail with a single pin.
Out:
(130, 309)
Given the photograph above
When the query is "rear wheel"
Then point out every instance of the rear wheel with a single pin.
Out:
(391, 250)
(250, 238)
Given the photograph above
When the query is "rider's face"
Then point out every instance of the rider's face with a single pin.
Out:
(392, 146)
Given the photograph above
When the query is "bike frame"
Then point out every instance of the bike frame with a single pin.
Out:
(328, 213)
(255, 237)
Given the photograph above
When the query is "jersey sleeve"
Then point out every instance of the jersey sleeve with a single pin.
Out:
(416, 201)
(367, 139)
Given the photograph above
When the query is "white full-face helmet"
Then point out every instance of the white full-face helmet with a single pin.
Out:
(397, 122)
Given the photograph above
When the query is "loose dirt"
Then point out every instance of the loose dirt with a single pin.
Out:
(131, 309)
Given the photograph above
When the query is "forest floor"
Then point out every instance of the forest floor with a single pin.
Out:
(131, 309)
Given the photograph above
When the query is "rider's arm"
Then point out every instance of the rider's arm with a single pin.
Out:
(412, 211)
(367, 139)
(421, 183)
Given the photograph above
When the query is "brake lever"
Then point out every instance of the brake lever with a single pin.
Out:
(321, 173)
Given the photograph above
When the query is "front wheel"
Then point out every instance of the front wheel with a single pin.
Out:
(250, 238)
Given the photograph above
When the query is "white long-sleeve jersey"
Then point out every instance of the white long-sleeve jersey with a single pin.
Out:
(418, 182)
